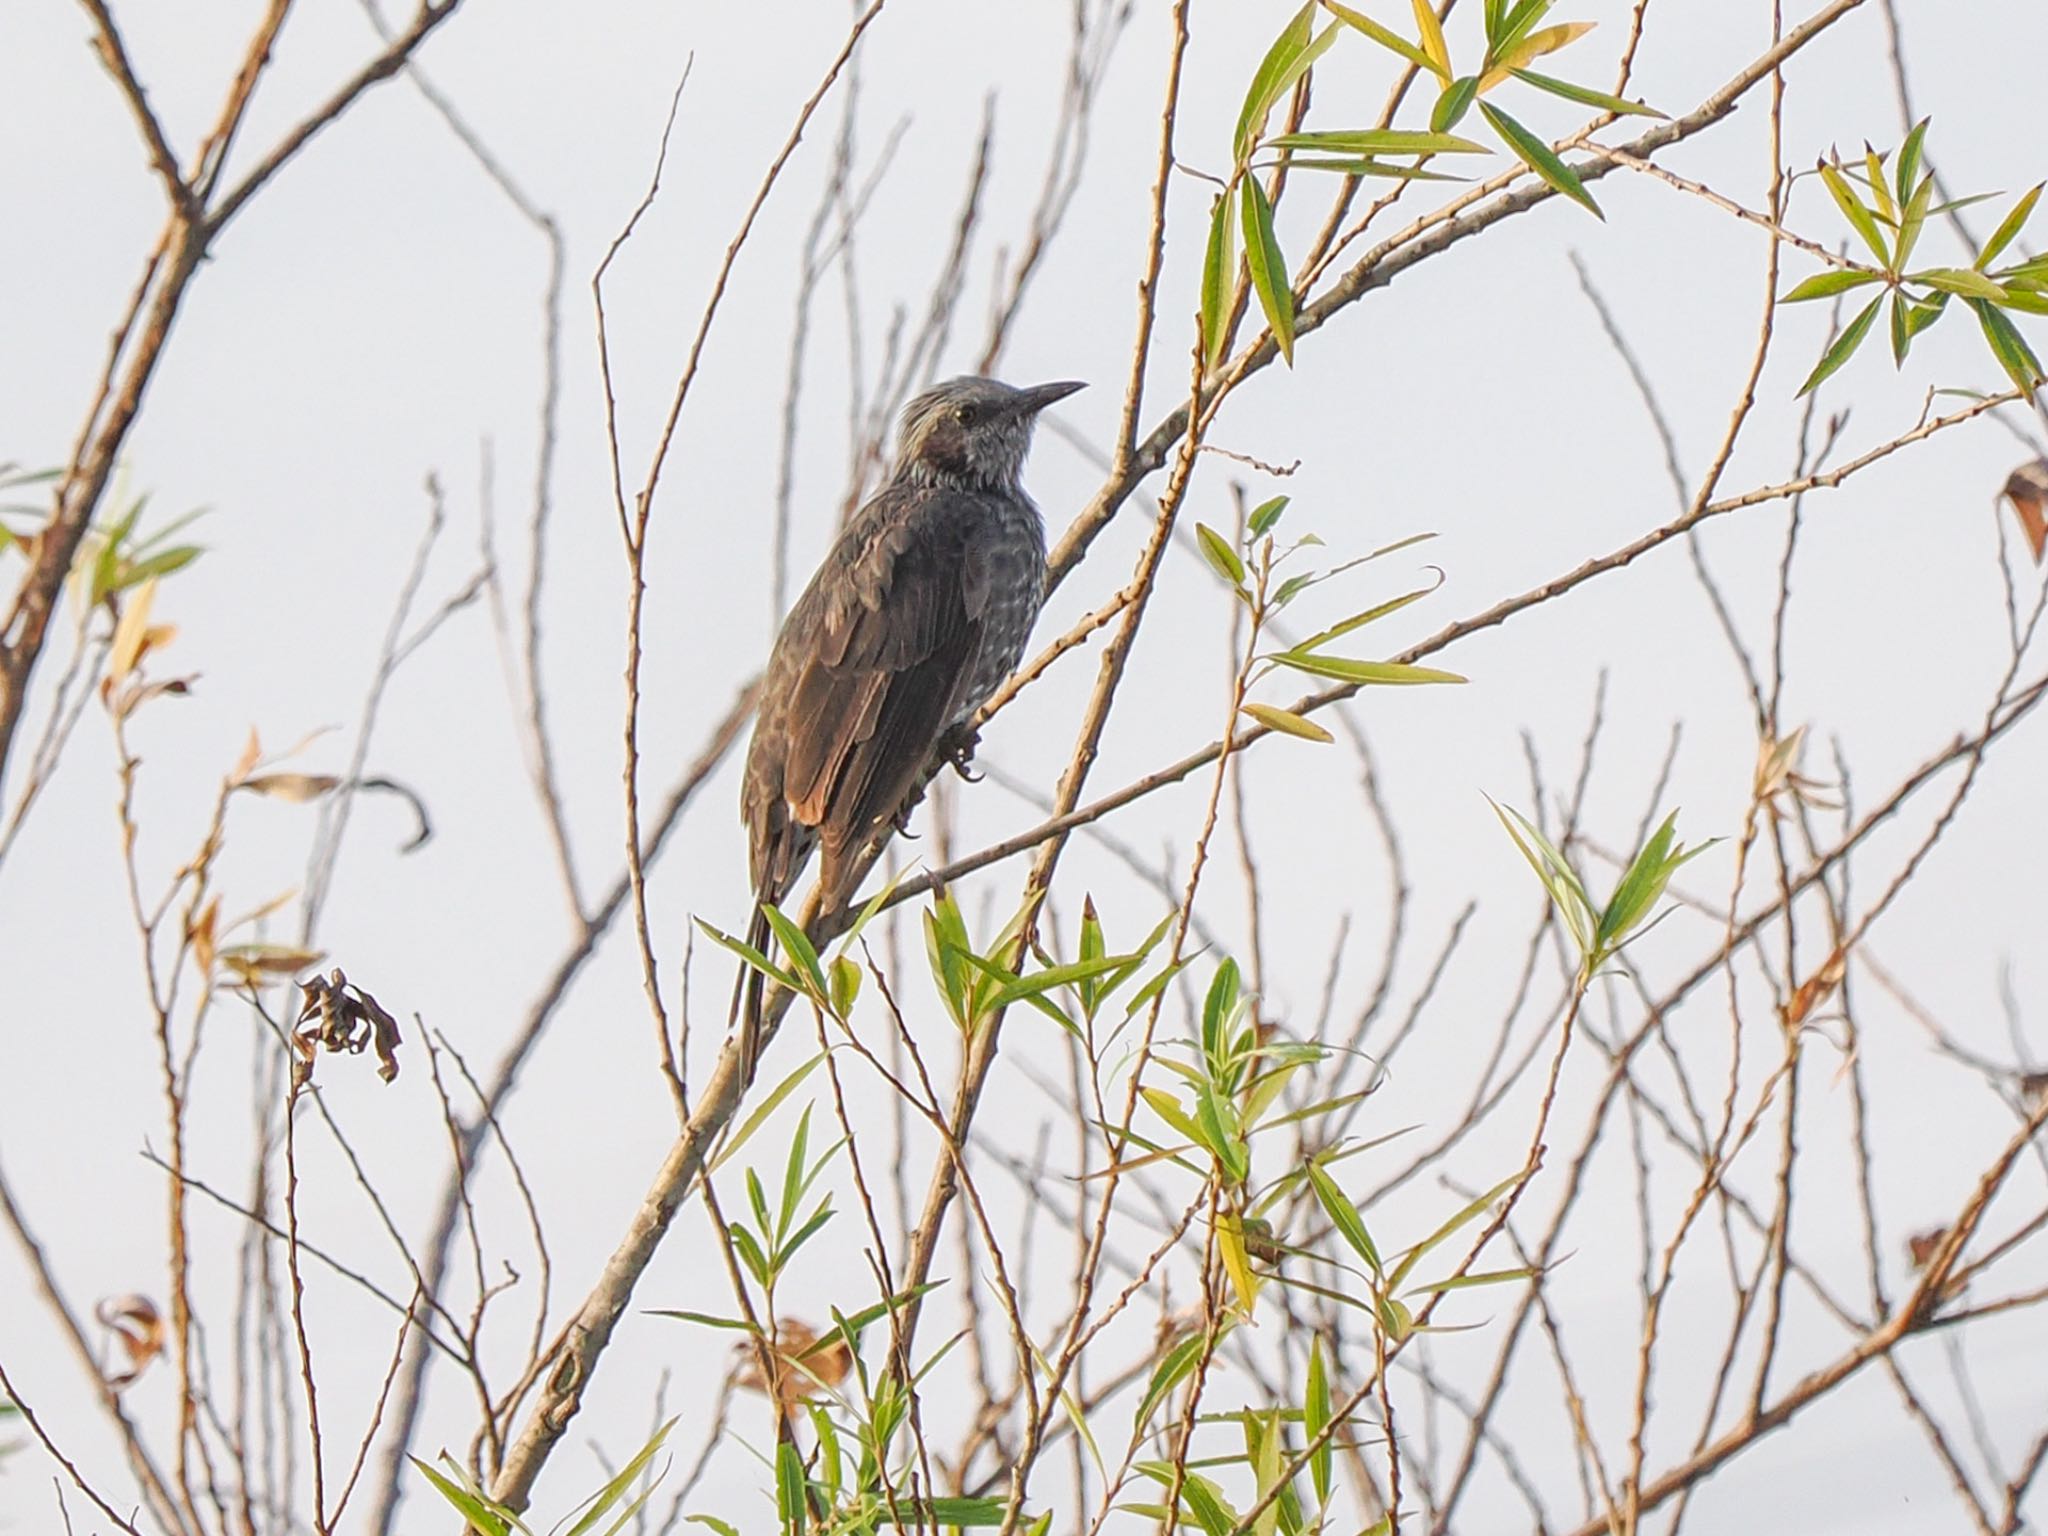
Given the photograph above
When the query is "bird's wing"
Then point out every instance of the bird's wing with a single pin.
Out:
(899, 637)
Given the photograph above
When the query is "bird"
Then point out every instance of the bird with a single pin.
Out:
(918, 612)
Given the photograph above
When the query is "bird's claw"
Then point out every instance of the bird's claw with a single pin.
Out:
(959, 750)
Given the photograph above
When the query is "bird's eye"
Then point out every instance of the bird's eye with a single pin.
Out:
(965, 415)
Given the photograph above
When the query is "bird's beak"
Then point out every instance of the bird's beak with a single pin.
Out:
(1031, 401)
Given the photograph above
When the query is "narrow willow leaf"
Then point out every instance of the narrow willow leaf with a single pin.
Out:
(1901, 325)
(1873, 173)
(2009, 230)
(1291, 57)
(1516, 22)
(1393, 41)
(1167, 1108)
(1371, 615)
(791, 1502)
(1361, 165)
(767, 1107)
(2008, 346)
(1381, 141)
(1960, 281)
(797, 945)
(1454, 103)
(1914, 218)
(1343, 1215)
(1365, 672)
(1531, 47)
(1315, 1414)
(1219, 274)
(1825, 285)
(1268, 267)
(752, 956)
(479, 1512)
(1172, 1369)
(1288, 723)
(963, 1511)
(1223, 560)
(1853, 210)
(1431, 31)
(1844, 347)
(1467, 1282)
(1540, 158)
(1567, 891)
(1586, 96)
(1266, 1463)
(607, 1498)
(1908, 169)
(1472, 1211)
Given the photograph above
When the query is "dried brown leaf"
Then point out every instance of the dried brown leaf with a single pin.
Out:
(2027, 489)
(298, 788)
(137, 1327)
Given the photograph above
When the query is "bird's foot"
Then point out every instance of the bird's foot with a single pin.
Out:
(958, 747)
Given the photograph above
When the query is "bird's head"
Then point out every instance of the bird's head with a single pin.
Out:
(972, 431)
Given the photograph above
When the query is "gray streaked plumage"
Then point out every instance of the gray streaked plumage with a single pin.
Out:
(918, 613)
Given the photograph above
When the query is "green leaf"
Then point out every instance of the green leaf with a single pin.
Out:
(1168, 1108)
(1585, 96)
(1907, 171)
(1454, 102)
(792, 1503)
(1647, 875)
(1371, 615)
(1316, 1412)
(2009, 230)
(1039, 982)
(1359, 165)
(1266, 1464)
(1380, 141)
(1529, 47)
(1364, 672)
(1914, 218)
(1392, 41)
(1540, 158)
(1515, 23)
(1288, 723)
(1268, 267)
(480, 1512)
(1467, 1282)
(1960, 281)
(1219, 274)
(1264, 516)
(1221, 1138)
(797, 946)
(1223, 560)
(1853, 210)
(1172, 1369)
(752, 956)
(1844, 347)
(2008, 346)
(1825, 285)
(1567, 891)
(1293, 51)
(607, 1498)
(1343, 1215)
(846, 976)
(962, 1511)
(767, 1107)
(1477, 1208)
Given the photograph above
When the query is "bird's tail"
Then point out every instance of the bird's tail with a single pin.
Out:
(748, 988)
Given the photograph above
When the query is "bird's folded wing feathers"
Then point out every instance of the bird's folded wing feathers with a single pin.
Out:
(901, 640)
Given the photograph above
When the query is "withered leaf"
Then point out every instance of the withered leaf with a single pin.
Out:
(295, 787)
(803, 1369)
(2027, 489)
(131, 634)
(137, 1327)
(255, 963)
(340, 1016)
(202, 933)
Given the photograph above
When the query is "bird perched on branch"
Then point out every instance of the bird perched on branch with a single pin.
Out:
(914, 619)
